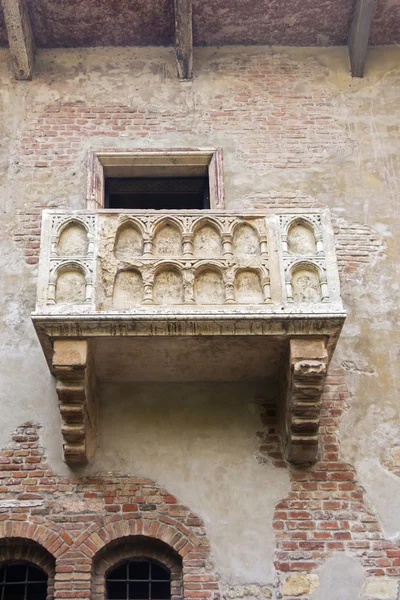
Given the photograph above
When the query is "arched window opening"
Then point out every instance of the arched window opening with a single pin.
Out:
(137, 567)
(138, 579)
(22, 581)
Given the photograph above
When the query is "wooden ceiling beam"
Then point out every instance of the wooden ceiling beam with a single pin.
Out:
(359, 36)
(184, 38)
(20, 37)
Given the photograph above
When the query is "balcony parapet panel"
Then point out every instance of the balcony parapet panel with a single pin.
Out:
(109, 262)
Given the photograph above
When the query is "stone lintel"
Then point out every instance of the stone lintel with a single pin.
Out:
(308, 361)
(20, 37)
(184, 38)
(72, 366)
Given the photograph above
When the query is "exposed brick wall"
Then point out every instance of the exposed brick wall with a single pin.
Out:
(26, 234)
(279, 127)
(80, 522)
(273, 115)
(302, 128)
(279, 124)
(278, 199)
(326, 509)
(75, 519)
(357, 245)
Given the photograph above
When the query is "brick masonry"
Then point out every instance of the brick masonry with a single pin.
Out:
(75, 520)
(326, 510)
(303, 129)
(280, 125)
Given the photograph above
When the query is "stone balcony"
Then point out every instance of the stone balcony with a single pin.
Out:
(188, 296)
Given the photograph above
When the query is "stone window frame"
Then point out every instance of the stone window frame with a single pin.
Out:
(26, 551)
(136, 547)
(103, 161)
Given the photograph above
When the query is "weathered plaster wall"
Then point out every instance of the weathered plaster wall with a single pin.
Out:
(296, 131)
(200, 441)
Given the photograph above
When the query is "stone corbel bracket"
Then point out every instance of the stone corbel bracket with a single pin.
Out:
(76, 390)
(308, 363)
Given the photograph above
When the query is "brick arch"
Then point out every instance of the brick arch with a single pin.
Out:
(32, 532)
(164, 529)
(193, 574)
(103, 508)
(23, 549)
(135, 546)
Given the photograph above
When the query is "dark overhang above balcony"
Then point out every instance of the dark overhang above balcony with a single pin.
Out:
(26, 24)
(90, 23)
(189, 296)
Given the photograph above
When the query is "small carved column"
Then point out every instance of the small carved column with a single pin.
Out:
(148, 284)
(284, 240)
(73, 368)
(227, 245)
(288, 286)
(308, 362)
(264, 245)
(320, 244)
(187, 244)
(229, 282)
(324, 289)
(266, 285)
(51, 294)
(188, 284)
(147, 246)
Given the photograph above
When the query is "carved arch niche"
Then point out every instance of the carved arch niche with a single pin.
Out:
(70, 287)
(207, 242)
(128, 241)
(167, 239)
(128, 289)
(247, 288)
(168, 285)
(246, 242)
(301, 238)
(306, 283)
(73, 240)
(209, 285)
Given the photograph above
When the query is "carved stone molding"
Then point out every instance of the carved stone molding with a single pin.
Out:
(72, 366)
(308, 361)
